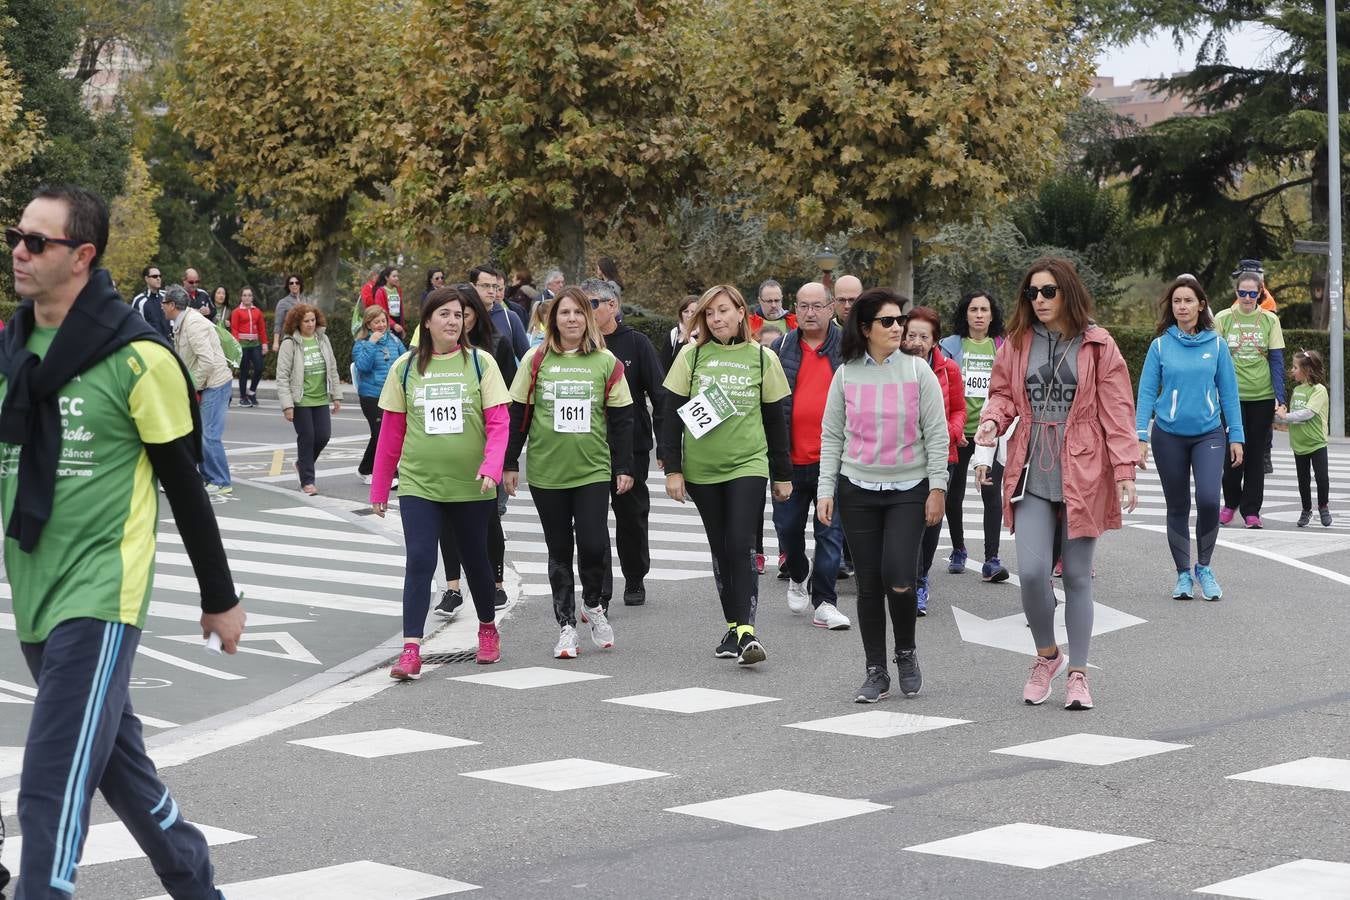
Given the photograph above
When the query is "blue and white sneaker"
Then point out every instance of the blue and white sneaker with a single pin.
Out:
(1185, 588)
(956, 563)
(921, 592)
(1209, 585)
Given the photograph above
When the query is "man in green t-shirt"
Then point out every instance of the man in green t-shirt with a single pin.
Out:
(95, 409)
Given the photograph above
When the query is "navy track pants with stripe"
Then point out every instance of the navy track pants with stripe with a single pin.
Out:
(83, 736)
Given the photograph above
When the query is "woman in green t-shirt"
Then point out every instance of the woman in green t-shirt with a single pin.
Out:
(721, 446)
(571, 403)
(307, 385)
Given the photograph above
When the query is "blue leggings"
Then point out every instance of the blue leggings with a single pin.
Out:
(423, 522)
(1177, 458)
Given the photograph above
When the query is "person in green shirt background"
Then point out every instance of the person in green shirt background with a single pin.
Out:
(1309, 412)
(307, 385)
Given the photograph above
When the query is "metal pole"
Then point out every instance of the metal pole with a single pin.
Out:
(1336, 320)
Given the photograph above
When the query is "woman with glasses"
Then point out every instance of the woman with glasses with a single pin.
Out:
(435, 281)
(1072, 457)
(295, 293)
(884, 445)
(1256, 342)
(723, 437)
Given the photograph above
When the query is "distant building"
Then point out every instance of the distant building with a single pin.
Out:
(1139, 101)
(117, 66)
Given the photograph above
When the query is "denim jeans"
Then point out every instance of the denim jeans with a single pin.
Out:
(215, 401)
(789, 520)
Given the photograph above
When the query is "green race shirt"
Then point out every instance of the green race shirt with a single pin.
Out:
(1250, 339)
(561, 451)
(96, 556)
(1305, 437)
(749, 375)
(316, 374)
(977, 367)
(452, 394)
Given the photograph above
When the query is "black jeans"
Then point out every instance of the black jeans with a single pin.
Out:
(1317, 461)
(1244, 489)
(574, 517)
(250, 372)
(631, 511)
(313, 428)
(729, 510)
(885, 530)
(991, 495)
(370, 408)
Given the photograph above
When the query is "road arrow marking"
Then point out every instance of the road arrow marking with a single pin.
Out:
(1011, 632)
(290, 648)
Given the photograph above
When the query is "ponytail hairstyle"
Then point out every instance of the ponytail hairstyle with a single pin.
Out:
(1310, 361)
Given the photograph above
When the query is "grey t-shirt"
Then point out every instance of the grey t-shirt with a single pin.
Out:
(1052, 383)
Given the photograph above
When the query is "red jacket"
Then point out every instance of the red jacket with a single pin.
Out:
(954, 393)
(248, 321)
(1100, 446)
(787, 323)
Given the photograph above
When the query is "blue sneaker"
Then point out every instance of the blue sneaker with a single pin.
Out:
(956, 563)
(1185, 588)
(992, 571)
(921, 592)
(1209, 585)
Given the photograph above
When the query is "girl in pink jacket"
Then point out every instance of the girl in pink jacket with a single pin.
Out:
(1073, 456)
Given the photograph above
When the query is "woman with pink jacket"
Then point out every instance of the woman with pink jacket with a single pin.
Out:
(1072, 456)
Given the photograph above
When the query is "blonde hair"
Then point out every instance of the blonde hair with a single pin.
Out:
(370, 315)
(700, 317)
(591, 340)
(539, 316)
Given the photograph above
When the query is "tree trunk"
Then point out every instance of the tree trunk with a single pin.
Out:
(332, 226)
(902, 277)
(571, 232)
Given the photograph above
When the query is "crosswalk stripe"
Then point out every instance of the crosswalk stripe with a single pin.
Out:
(304, 571)
(287, 529)
(312, 599)
(303, 552)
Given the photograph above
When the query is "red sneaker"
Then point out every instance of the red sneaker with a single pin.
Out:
(759, 563)
(409, 665)
(489, 644)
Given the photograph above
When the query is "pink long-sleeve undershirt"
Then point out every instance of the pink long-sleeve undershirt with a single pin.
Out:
(394, 429)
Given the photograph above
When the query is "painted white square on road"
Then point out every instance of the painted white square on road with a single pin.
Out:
(692, 700)
(11, 761)
(778, 810)
(1306, 879)
(1029, 846)
(565, 774)
(111, 842)
(355, 879)
(1091, 749)
(384, 742)
(1313, 772)
(529, 677)
(878, 724)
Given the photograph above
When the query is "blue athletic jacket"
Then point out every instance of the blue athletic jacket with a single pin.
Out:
(373, 362)
(1188, 379)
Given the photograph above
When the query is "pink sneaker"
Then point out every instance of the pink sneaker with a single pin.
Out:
(1226, 515)
(759, 563)
(1043, 671)
(489, 644)
(1253, 522)
(409, 665)
(1076, 694)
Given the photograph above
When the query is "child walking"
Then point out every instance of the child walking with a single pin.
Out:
(1309, 408)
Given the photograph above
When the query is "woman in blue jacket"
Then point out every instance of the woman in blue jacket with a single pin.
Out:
(1188, 379)
(374, 352)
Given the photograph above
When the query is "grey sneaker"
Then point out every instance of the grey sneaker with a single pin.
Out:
(751, 651)
(876, 687)
(1325, 514)
(602, 633)
(566, 648)
(1304, 518)
(910, 677)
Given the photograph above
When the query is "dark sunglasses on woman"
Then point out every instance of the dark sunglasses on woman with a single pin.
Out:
(1048, 291)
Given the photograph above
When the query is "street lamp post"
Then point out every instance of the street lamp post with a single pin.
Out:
(827, 261)
(1336, 319)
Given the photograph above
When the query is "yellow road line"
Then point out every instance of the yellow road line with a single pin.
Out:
(278, 456)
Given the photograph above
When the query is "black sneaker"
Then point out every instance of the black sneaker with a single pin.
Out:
(876, 687)
(751, 651)
(1325, 514)
(845, 571)
(634, 594)
(1304, 518)
(1270, 466)
(910, 677)
(729, 646)
(499, 601)
(450, 603)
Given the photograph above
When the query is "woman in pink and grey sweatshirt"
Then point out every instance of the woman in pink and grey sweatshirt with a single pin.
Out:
(445, 424)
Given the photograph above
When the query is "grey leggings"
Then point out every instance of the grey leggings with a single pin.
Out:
(1035, 536)
(1175, 458)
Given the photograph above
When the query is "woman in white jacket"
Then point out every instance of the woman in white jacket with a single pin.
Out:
(307, 386)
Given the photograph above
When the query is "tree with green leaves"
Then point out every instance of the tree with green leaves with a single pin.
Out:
(133, 233)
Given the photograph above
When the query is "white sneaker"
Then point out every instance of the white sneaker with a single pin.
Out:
(566, 648)
(602, 633)
(393, 484)
(799, 595)
(828, 616)
(366, 479)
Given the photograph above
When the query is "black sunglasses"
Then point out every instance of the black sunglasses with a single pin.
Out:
(595, 302)
(888, 321)
(154, 275)
(291, 282)
(1047, 291)
(36, 243)
(1248, 294)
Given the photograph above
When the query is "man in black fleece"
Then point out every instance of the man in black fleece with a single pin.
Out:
(643, 371)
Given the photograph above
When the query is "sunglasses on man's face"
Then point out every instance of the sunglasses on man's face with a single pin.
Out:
(1249, 295)
(595, 302)
(192, 282)
(154, 275)
(36, 243)
(1048, 291)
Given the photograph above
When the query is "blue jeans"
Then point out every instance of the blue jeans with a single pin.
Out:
(215, 468)
(789, 520)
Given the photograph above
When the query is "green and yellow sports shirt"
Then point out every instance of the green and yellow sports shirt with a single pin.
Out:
(96, 556)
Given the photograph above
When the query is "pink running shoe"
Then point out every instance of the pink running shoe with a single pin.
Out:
(759, 563)
(1043, 671)
(1226, 515)
(1076, 694)
(409, 665)
(1253, 522)
(489, 644)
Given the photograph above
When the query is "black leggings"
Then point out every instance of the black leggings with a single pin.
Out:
(990, 494)
(1244, 489)
(496, 544)
(885, 530)
(370, 408)
(1176, 458)
(575, 517)
(1317, 461)
(250, 372)
(313, 428)
(729, 510)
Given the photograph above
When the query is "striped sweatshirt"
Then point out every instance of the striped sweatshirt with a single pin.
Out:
(884, 423)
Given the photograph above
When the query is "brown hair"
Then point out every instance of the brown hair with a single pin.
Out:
(1167, 318)
(464, 295)
(370, 315)
(1311, 362)
(591, 341)
(297, 314)
(701, 312)
(1076, 311)
(925, 314)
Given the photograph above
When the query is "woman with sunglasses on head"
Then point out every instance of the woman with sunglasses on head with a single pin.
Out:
(295, 293)
(1072, 457)
(884, 446)
(444, 431)
(1187, 380)
(1256, 343)
(572, 405)
(723, 436)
